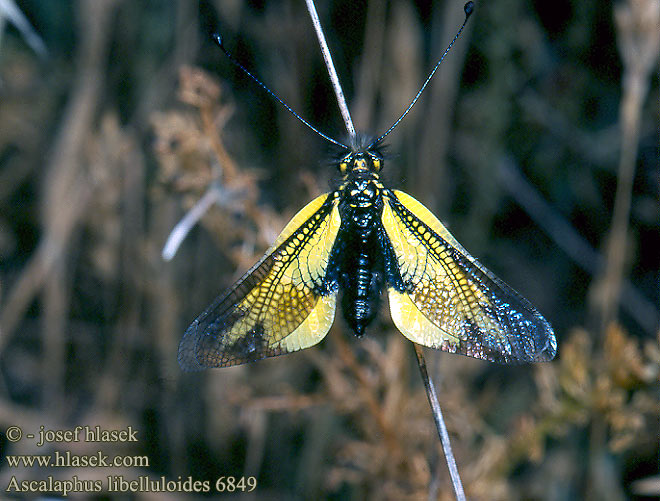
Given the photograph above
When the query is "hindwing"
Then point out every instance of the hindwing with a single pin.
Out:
(447, 300)
(283, 304)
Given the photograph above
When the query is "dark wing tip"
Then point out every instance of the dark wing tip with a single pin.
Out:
(530, 339)
(549, 348)
(188, 349)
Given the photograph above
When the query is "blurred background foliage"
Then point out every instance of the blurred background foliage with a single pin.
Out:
(537, 143)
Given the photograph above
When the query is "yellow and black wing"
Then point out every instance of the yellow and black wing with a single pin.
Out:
(282, 304)
(449, 301)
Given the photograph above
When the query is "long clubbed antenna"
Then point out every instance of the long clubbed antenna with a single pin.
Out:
(327, 57)
(218, 39)
(468, 8)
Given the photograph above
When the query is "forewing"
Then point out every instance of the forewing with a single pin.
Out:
(449, 301)
(282, 304)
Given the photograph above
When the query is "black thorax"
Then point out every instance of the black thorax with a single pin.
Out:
(357, 255)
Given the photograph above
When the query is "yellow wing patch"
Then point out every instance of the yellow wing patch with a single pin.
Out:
(449, 301)
(281, 305)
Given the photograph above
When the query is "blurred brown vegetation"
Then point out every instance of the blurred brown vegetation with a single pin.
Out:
(537, 143)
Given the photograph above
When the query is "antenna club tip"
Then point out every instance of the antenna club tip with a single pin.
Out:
(217, 38)
(468, 8)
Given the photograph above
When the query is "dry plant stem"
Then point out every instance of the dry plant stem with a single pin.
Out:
(56, 298)
(374, 407)
(10, 11)
(214, 193)
(68, 188)
(229, 169)
(638, 33)
(371, 63)
(212, 196)
(327, 57)
(440, 424)
(639, 307)
(618, 238)
(441, 102)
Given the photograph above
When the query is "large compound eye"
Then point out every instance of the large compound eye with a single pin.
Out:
(376, 161)
(343, 164)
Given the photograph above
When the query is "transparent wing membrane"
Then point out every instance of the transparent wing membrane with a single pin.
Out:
(450, 301)
(282, 304)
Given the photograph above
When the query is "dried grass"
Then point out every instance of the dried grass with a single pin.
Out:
(102, 152)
